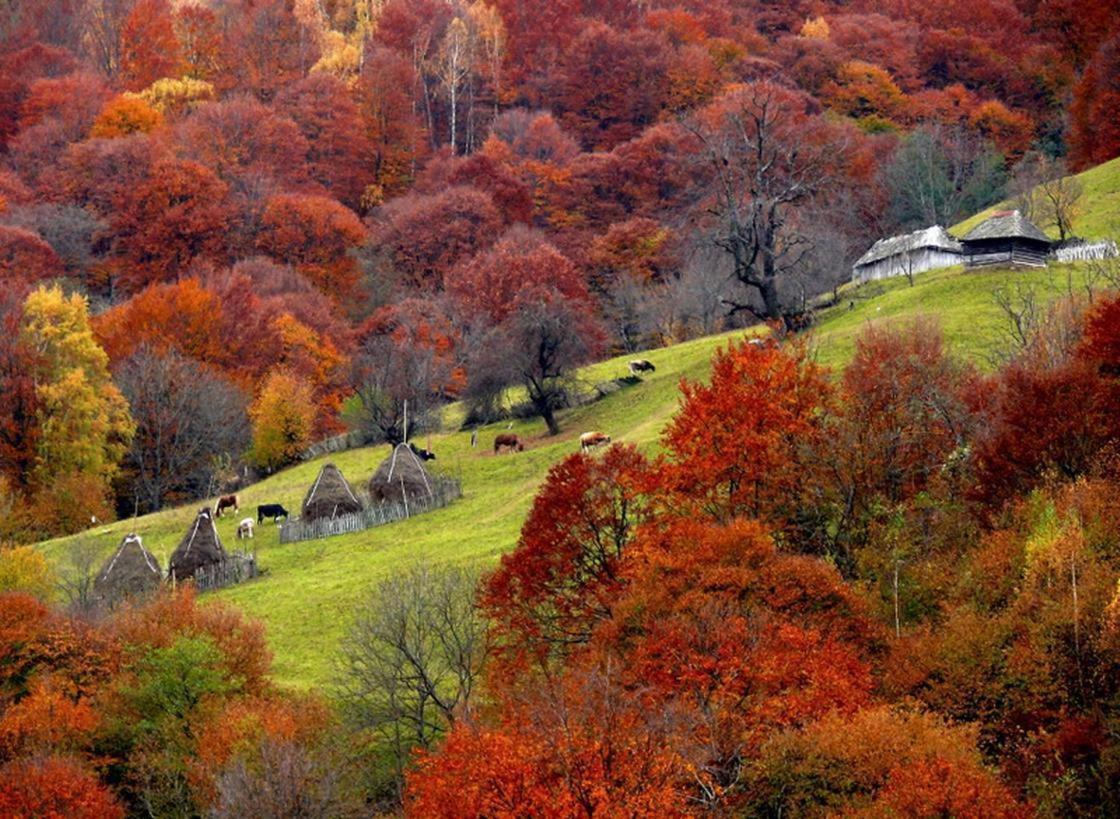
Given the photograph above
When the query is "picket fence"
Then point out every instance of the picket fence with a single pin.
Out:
(444, 491)
(236, 568)
(1086, 251)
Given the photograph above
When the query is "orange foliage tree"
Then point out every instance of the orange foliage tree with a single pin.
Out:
(125, 115)
(736, 446)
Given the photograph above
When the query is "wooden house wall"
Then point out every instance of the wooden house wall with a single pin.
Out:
(916, 261)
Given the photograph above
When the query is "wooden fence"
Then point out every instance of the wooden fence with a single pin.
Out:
(1086, 251)
(444, 490)
(236, 568)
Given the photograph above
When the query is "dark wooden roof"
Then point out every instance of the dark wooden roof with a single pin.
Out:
(1006, 225)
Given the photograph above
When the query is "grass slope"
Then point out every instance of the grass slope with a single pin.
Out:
(1100, 205)
(311, 589)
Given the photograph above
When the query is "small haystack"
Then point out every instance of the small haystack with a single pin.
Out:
(330, 496)
(401, 476)
(200, 547)
(131, 571)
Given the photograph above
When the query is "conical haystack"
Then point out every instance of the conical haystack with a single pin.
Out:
(132, 570)
(200, 547)
(400, 476)
(330, 496)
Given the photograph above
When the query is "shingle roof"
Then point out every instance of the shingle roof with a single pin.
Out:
(933, 237)
(1006, 225)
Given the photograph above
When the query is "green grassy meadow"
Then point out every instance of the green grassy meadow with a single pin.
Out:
(1100, 205)
(311, 589)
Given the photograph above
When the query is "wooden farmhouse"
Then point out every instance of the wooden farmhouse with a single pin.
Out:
(1007, 238)
(917, 252)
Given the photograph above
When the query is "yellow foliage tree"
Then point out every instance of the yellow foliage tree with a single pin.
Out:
(25, 569)
(283, 417)
(816, 28)
(84, 420)
(171, 96)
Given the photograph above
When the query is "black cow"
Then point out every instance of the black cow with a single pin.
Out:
(271, 510)
(422, 454)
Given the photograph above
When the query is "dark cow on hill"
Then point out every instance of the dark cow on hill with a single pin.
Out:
(509, 441)
(226, 502)
(590, 440)
(641, 365)
(271, 510)
(422, 454)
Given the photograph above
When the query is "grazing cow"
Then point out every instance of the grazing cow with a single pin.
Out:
(641, 365)
(271, 510)
(422, 454)
(245, 529)
(508, 440)
(590, 440)
(226, 502)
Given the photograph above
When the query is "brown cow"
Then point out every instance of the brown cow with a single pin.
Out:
(590, 440)
(641, 365)
(509, 440)
(226, 502)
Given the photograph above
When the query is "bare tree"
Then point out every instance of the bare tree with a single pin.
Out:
(77, 575)
(186, 418)
(940, 174)
(547, 337)
(456, 58)
(284, 781)
(765, 157)
(1061, 201)
(390, 371)
(413, 658)
(1046, 193)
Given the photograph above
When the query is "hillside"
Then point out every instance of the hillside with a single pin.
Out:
(311, 589)
(1100, 205)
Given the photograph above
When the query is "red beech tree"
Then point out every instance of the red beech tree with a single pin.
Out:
(488, 285)
(149, 48)
(565, 574)
(316, 235)
(736, 445)
(54, 786)
(175, 216)
(425, 236)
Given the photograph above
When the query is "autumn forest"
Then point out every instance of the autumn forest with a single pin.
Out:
(237, 234)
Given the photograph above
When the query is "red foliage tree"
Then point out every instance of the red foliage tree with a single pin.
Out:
(426, 236)
(19, 398)
(1094, 132)
(244, 654)
(54, 786)
(582, 748)
(611, 84)
(338, 150)
(265, 48)
(184, 316)
(247, 144)
(149, 48)
(488, 285)
(566, 572)
(394, 131)
(175, 216)
(736, 446)
(25, 258)
(315, 234)
(947, 788)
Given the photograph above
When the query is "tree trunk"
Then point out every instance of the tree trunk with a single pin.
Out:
(545, 409)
